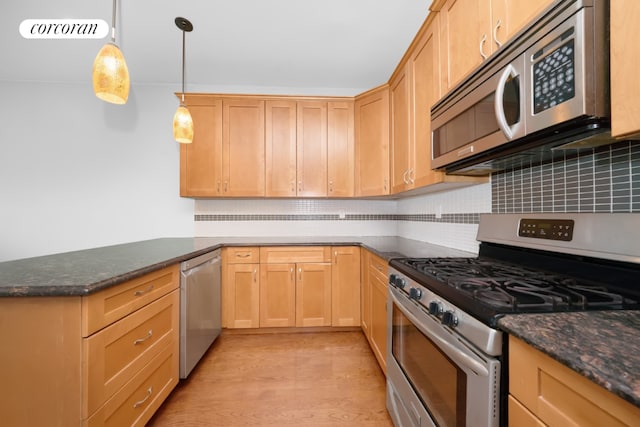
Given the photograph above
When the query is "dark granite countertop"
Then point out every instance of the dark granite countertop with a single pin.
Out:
(86, 271)
(603, 346)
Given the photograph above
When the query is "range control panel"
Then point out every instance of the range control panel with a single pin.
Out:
(552, 229)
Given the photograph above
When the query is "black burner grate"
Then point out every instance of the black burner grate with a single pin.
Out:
(511, 287)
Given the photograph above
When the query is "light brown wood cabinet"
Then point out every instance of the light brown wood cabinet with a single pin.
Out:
(201, 161)
(295, 286)
(296, 148)
(345, 286)
(309, 148)
(415, 87)
(340, 149)
(374, 305)
(471, 30)
(372, 142)
(312, 148)
(281, 141)
(243, 150)
(625, 62)
(241, 287)
(543, 391)
(227, 155)
(109, 358)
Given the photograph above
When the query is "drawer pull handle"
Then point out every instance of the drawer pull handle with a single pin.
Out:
(141, 340)
(139, 293)
(244, 255)
(139, 403)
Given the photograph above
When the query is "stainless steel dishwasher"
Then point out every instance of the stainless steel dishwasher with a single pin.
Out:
(200, 316)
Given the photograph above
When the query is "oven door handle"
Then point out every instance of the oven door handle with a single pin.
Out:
(457, 353)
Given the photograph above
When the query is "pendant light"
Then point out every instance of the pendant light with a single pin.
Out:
(110, 73)
(182, 121)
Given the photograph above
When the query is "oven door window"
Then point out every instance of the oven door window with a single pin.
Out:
(438, 381)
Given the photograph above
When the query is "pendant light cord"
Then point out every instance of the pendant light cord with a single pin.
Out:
(183, 37)
(113, 23)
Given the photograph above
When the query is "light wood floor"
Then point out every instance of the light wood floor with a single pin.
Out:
(298, 379)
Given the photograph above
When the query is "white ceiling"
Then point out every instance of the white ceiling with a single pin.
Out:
(333, 47)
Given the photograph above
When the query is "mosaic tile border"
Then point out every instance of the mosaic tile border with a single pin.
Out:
(456, 218)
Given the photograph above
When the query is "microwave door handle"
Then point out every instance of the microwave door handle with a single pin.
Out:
(451, 350)
(499, 109)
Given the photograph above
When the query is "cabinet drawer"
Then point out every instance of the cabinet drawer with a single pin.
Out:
(560, 396)
(136, 402)
(241, 255)
(378, 266)
(116, 353)
(111, 304)
(295, 254)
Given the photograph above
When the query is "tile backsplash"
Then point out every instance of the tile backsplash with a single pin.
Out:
(446, 218)
(605, 179)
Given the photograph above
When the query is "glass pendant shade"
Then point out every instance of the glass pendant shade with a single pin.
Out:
(183, 125)
(110, 75)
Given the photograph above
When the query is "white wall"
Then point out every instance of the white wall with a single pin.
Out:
(76, 172)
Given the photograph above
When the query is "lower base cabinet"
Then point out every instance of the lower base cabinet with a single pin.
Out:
(106, 359)
(374, 306)
(544, 392)
(291, 286)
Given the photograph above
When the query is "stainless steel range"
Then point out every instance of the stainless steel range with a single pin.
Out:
(445, 362)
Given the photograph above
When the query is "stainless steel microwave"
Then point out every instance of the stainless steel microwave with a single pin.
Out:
(547, 88)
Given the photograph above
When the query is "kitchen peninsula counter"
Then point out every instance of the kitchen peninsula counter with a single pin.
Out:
(83, 272)
(603, 346)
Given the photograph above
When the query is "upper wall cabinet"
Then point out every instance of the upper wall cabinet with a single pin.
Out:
(250, 146)
(472, 30)
(312, 148)
(372, 142)
(625, 62)
(415, 87)
(201, 161)
(243, 152)
(340, 149)
(309, 148)
(281, 134)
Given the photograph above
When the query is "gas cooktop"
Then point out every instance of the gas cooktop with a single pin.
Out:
(512, 288)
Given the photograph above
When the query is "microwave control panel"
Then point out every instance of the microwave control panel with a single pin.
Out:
(554, 73)
(551, 229)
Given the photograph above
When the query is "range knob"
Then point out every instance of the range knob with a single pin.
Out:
(435, 309)
(392, 278)
(415, 293)
(397, 281)
(449, 318)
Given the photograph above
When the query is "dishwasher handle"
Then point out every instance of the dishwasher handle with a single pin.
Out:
(213, 256)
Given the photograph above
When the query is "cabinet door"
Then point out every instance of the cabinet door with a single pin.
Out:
(243, 147)
(365, 294)
(313, 294)
(379, 317)
(281, 148)
(345, 286)
(559, 396)
(340, 149)
(201, 161)
(277, 295)
(312, 149)
(625, 62)
(400, 157)
(243, 291)
(466, 37)
(510, 16)
(424, 72)
(372, 142)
